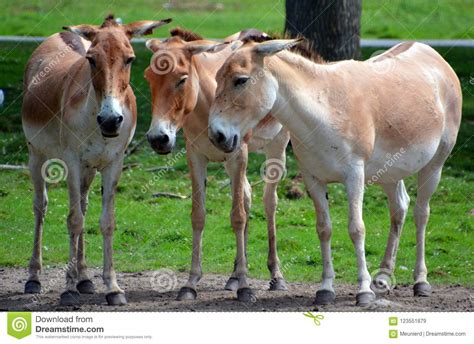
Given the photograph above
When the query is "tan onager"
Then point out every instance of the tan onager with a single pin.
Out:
(182, 82)
(79, 107)
(377, 121)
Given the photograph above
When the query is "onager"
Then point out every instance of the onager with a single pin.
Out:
(79, 108)
(346, 121)
(182, 82)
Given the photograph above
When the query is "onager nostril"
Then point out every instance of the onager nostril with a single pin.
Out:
(220, 137)
(234, 140)
(164, 139)
(119, 119)
(100, 120)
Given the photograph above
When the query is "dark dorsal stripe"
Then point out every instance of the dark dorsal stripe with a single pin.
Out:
(185, 35)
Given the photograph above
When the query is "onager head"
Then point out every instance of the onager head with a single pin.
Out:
(246, 92)
(110, 56)
(174, 85)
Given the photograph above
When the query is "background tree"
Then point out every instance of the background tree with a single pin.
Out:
(332, 26)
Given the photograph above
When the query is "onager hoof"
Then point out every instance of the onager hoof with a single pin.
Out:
(85, 287)
(325, 297)
(32, 287)
(246, 295)
(186, 293)
(278, 284)
(365, 298)
(422, 289)
(116, 299)
(232, 284)
(70, 298)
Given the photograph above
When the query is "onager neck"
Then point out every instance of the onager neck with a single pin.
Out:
(303, 88)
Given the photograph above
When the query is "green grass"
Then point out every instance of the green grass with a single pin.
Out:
(154, 233)
(408, 19)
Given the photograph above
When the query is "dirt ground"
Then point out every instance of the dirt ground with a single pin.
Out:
(157, 290)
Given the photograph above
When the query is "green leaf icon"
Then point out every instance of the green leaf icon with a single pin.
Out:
(19, 324)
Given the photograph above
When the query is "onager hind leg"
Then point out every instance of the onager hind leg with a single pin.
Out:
(40, 205)
(110, 177)
(85, 285)
(318, 192)
(198, 166)
(428, 179)
(274, 172)
(398, 201)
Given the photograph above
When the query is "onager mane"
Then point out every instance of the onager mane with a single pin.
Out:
(185, 35)
(304, 49)
(109, 21)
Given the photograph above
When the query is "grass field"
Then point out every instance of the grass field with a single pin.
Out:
(155, 233)
(408, 19)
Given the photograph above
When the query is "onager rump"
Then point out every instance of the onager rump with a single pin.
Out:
(376, 121)
(79, 108)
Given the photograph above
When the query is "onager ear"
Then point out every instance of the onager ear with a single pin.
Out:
(153, 44)
(144, 27)
(85, 30)
(197, 48)
(276, 45)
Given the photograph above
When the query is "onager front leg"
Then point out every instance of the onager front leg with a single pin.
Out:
(355, 195)
(85, 285)
(40, 205)
(237, 166)
(198, 166)
(232, 283)
(110, 178)
(318, 192)
(75, 223)
(274, 172)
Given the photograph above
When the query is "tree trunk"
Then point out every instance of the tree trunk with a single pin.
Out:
(332, 26)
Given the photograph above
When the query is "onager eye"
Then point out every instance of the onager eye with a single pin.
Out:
(182, 81)
(240, 81)
(91, 61)
(129, 60)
